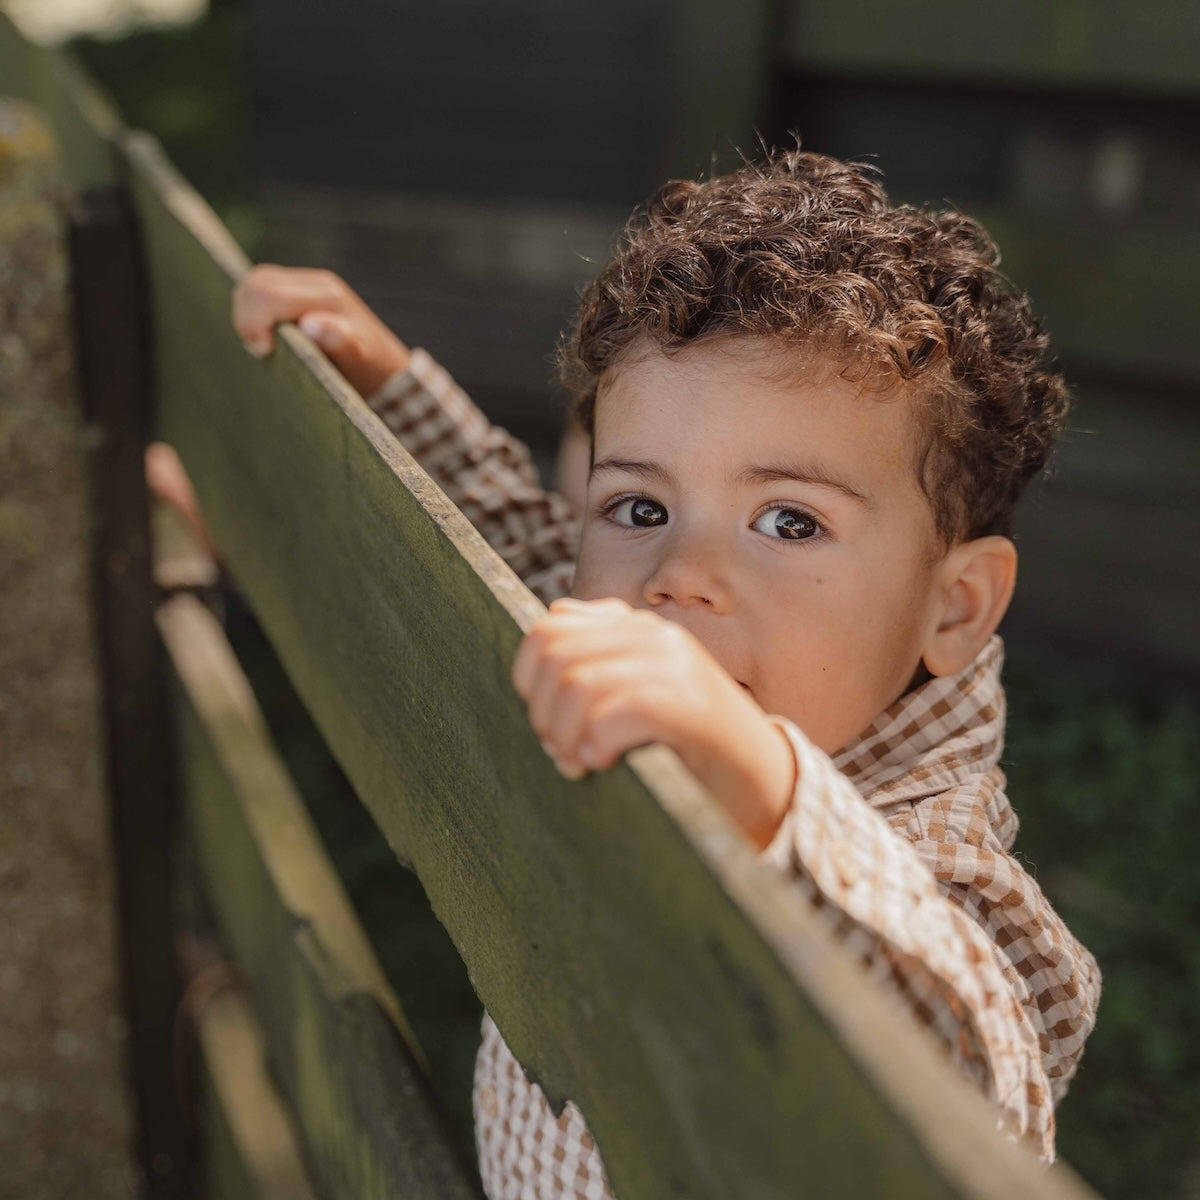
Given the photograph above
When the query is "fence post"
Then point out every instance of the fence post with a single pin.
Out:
(116, 380)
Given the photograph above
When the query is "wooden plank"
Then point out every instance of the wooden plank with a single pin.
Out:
(115, 382)
(635, 954)
(338, 1041)
(1117, 46)
(85, 121)
(250, 1151)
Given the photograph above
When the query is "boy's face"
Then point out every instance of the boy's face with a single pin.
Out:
(773, 509)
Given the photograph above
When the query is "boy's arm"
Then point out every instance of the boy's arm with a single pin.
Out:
(1055, 977)
(897, 902)
(961, 932)
(601, 678)
(486, 472)
(483, 470)
(881, 901)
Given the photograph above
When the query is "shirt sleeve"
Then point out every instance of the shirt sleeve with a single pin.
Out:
(485, 471)
(881, 899)
(1055, 978)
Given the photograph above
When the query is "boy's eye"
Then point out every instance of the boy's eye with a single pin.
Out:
(639, 511)
(791, 524)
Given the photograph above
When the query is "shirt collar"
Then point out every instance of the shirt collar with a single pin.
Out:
(933, 738)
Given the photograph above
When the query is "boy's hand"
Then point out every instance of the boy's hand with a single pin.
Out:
(357, 342)
(601, 678)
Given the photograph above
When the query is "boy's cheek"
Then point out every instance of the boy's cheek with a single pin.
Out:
(592, 583)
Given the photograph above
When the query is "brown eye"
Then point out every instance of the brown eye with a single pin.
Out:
(789, 524)
(639, 511)
(647, 512)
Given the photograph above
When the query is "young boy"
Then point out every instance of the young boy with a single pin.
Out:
(811, 415)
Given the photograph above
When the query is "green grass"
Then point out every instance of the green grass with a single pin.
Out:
(1104, 775)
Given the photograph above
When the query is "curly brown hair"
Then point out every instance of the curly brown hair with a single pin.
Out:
(807, 249)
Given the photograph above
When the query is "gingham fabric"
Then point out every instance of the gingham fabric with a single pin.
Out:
(902, 843)
(487, 473)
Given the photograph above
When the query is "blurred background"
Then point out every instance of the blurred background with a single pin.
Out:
(466, 167)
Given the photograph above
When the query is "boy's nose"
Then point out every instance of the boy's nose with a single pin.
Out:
(690, 574)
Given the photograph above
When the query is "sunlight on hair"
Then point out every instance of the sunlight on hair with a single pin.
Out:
(51, 21)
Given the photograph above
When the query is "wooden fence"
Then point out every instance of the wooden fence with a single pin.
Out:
(634, 953)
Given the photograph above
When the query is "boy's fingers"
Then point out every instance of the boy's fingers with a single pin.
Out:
(333, 334)
(563, 637)
(570, 712)
(559, 703)
(267, 295)
(615, 726)
(525, 666)
(166, 478)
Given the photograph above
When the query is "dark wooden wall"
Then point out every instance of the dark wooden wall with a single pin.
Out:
(1069, 129)
(466, 167)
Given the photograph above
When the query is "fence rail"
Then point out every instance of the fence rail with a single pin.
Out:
(634, 953)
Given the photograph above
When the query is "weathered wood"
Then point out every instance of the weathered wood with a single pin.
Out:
(632, 950)
(116, 383)
(337, 1039)
(1073, 43)
(250, 1152)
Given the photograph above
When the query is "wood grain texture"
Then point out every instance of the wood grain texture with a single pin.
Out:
(336, 1037)
(632, 950)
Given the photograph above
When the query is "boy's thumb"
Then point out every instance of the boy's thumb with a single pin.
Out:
(326, 331)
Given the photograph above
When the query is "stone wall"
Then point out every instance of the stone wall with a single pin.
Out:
(64, 1113)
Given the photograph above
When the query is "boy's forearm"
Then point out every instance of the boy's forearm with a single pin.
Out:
(485, 471)
(882, 900)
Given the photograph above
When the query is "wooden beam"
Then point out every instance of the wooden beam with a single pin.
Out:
(250, 1151)
(635, 954)
(116, 382)
(337, 1040)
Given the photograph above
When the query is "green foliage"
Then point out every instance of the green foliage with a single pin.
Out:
(189, 86)
(1104, 775)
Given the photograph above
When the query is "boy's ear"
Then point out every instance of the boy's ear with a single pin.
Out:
(976, 584)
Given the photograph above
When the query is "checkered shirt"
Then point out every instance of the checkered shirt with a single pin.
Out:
(902, 844)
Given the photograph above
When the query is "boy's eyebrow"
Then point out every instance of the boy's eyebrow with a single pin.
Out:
(811, 473)
(636, 466)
